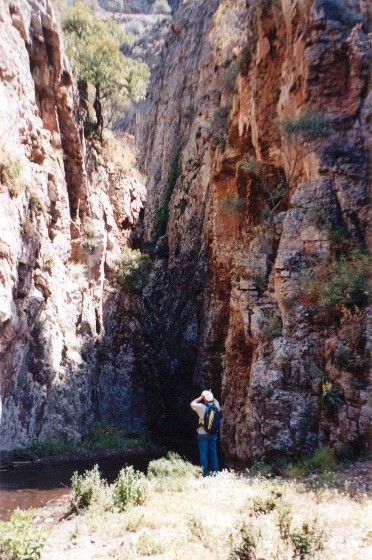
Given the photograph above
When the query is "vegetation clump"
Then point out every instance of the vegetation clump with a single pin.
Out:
(232, 204)
(11, 170)
(92, 239)
(171, 473)
(307, 540)
(272, 329)
(310, 125)
(130, 488)
(343, 284)
(331, 396)
(323, 460)
(94, 48)
(162, 214)
(101, 436)
(172, 466)
(161, 7)
(251, 165)
(253, 517)
(133, 270)
(263, 504)
(20, 539)
(245, 549)
(86, 488)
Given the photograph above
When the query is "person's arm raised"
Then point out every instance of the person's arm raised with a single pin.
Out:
(197, 401)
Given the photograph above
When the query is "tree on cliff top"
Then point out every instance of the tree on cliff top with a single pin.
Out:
(93, 46)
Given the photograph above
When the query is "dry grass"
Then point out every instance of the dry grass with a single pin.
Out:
(205, 518)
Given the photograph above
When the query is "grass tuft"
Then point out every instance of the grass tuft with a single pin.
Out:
(322, 461)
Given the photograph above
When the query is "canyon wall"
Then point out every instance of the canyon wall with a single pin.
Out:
(255, 145)
(66, 211)
(254, 142)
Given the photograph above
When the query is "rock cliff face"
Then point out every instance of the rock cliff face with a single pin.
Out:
(254, 142)
(65, 213)
(256, 147)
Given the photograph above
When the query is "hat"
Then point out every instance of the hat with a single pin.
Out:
(208, 396)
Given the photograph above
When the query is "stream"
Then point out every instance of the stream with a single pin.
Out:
(34, 485)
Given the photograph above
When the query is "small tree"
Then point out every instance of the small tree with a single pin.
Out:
(93, 46)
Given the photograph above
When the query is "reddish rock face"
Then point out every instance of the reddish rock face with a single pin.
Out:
(256, 209)
(254, 142)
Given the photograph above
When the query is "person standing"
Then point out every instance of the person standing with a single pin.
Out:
(207, 442)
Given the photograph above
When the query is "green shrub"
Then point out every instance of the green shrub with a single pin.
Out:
(20, 539)
(92, 240)
(162, 213)
(308, 540)
(104, 436)
(317, 373)
(251, 166)
(260, 282)
(348, 284)
(261, 469)
(36, 204)
(309, 125)
(134, 27)
(341, 241)
(172, 466)
(161, 220)
(101, 436)
(245, 60)
(229, 79)
(245, 549)
(11, 171)
(46, 448)
(220, 116)
(263, 505)
(28, 230)
(161, 7)
(323, 460)
(232, 204)
(272, 330)
(348, 360)
(219, 141)
(86, 488)
(331, 397)
(150, 544)
(133, 270)
(267, 391)
(130, 488)
(284, 512)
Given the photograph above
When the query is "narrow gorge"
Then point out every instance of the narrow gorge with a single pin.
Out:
(243, 180)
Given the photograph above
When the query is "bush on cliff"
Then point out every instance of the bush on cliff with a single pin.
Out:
(309, 125)
(133, 270)
(11, 169)
(161, 7)
(162, 213)
(343, 284)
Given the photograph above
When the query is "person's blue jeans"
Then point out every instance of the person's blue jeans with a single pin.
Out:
(208, 452)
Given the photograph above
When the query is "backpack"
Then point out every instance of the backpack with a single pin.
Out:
(212, 419)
